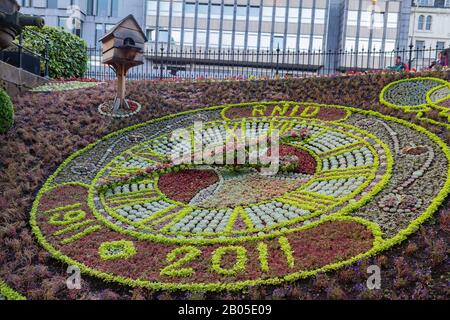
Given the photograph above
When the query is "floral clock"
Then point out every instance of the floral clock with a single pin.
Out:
(361, 183)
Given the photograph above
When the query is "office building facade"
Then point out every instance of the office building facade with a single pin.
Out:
(294, 25)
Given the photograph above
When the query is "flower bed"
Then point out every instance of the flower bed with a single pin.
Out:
(411, 270)
(421, 96)
(204, 228)
(192, 182)
(66, 86)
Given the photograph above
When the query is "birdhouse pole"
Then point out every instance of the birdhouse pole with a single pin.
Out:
(121, 72)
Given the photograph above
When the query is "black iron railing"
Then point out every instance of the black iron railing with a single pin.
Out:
(226, 64)
(25, 58)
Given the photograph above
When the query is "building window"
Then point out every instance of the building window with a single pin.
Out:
(267, 13)
(293, 15)
(215, 10)
(319, 17)
(426, 3)
(241, 12)
(90, 7)
(306, 16)
(98, 33)
(392, 19)
(378, 20)
(363, 44)
(254, 12)
(421, 21)
(150, 35)
(278, 42)
(201, 38)
(214, 39)
(176, 37)
(52, 4)
(73, 26)
(228, 11)
(252, 41)
(429, 21)
(62, 22)
(239, 40)
(350, 44)
(376, 45)
(389, 45)
(190, 9)
(102, 8)
(151, 8)
(114, 8)
(265, 41)
(352, 18)
(177, 9)
(420, 46)
(100, 30)
(188, 37)
(280, 14)
(164, 8)
(440, 45)
(291, 43)
(163, 36)
(304, 43)
(203, 10)
(109, 26)
(317, 43)
(226, 39)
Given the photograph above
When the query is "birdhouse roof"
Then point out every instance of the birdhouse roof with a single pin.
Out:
(120, 24)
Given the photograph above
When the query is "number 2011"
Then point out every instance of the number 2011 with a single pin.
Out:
(178, 258)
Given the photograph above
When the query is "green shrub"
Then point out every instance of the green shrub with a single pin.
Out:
(6, 112)
(67, 52)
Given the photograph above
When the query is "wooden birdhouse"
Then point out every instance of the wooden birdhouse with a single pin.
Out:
(123, 49)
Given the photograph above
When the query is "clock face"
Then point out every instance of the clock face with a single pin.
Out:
(213, 203)
(348, 184)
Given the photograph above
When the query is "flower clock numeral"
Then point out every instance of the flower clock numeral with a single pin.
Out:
(287, 250)
(236, 258)
(240, 260)
(66, 215)
(73, 221)
(262, 250)
(188, 254)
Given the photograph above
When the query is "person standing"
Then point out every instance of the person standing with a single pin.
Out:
(442, 61)
(399, 65)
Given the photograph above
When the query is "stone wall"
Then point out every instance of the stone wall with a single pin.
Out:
(15, 80)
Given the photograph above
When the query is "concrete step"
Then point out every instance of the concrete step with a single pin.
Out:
(15, 80)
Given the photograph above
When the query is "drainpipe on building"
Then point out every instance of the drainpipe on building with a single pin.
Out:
(411, 45)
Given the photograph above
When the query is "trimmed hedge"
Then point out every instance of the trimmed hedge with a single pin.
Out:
(6, 112)
(67, 52)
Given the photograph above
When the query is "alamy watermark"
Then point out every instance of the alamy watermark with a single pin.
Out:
(374, 280)
(235, 148)
(73, 282)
